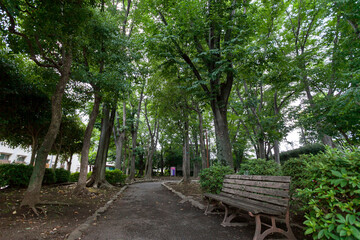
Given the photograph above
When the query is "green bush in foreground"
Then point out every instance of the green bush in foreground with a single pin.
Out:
(211, 179)
(260, 167)
(62, 175)
(333, 209)
(74, 177)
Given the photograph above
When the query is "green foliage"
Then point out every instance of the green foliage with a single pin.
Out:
(307, 149)
(49, 176)
(260, 167)
(18, 175)
(296, 169)
(115, 177)
(211, 179)
(88, 175)
(333, 210)
(15, 175)
(74, 177)
(62, 175)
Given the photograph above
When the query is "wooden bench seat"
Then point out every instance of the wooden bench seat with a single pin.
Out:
(259, 196)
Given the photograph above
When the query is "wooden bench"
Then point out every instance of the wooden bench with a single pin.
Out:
(258, 196)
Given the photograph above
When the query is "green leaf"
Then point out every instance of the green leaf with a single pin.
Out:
(352, 219)
(342, 233)
(308, 231)
(336, 173)
(321, 234)
(355, 232)
(341, 219)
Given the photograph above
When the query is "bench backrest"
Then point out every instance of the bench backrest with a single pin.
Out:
(265, 191)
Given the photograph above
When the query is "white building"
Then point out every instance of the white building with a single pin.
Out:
(20, 155)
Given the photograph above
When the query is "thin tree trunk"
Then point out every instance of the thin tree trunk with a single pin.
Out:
(32, 194)
(135, 127)
(34, 147)
(186, 153)
(120, 140)
(202, 141)
(69, 162)
(81, 184)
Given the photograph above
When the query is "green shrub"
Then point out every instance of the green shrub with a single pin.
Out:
(49, 176)
(333, 190)
(3, 182)
(211, 179)
(115, 176)
(15, 175)
(88, 175)
(307, 149)
(296, 168)
(62, 175)
(259, 167)
(74, 177)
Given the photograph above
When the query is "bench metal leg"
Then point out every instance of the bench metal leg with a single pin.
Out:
(229, 217)
(211, 207)
(273, 228)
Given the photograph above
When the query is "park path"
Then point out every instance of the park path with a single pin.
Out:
(150, 211)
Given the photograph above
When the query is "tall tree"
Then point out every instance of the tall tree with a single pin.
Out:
(48, 31)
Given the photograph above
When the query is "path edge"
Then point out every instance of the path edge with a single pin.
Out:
(77, 233)
(184, 198)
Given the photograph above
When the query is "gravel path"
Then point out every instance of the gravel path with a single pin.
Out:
(150, 211)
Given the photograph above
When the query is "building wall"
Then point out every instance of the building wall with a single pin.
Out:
(18, 153)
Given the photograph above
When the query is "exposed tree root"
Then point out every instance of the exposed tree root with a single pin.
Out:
(54, 203)
(35, 210)
(81, 191)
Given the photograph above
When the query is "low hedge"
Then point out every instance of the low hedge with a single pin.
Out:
(307, 149)
(62, 175)
(112, 176)
(15, 175)
(18, 175)
(74, 177)
(260, 167)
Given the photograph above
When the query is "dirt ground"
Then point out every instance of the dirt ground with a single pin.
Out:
(62, 216)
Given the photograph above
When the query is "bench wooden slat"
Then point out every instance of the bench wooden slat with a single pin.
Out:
(248, 206)
(269, 191)
(261, 178)
(263, 206)
(257, 197)
(275, 185)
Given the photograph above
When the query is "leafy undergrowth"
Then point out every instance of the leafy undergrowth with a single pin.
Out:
(62, 216)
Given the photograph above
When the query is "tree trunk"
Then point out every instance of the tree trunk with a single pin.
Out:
(277, 151)
(261, 147)
(120, 140)
(98, 176)
(186, 153)
(134, 130)
(68, 167)
(56, 160)
(34, 148)
(32, 194)
(81, 184)
(223, 144)
(202, 141)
